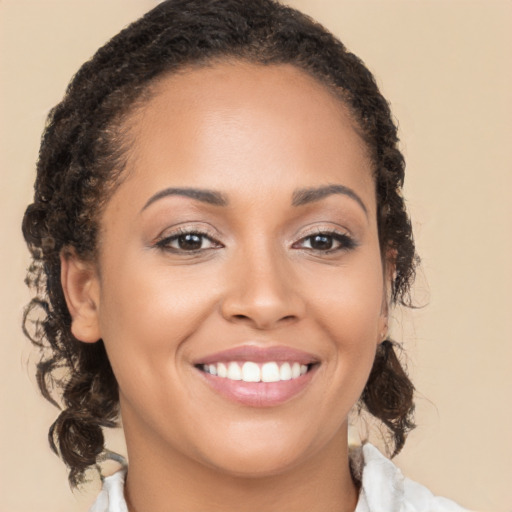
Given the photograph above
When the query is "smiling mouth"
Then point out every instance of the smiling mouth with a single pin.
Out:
(249, 371)
(256, 376)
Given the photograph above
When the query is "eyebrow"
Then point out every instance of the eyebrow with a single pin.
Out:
(203, 195)
(309, 195)
(300, 197)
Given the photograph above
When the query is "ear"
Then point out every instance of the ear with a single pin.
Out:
(80, 284)
(389, 267)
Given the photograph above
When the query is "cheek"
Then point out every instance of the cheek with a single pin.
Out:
(350, 300)
(147, 311)
(349, 306)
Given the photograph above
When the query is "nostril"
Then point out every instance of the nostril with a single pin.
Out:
(285, 318)
(262, 312)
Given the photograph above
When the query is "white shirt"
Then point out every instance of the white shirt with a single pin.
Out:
(383, 488)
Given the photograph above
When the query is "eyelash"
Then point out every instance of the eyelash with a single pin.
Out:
(165, 242)
(345, 242)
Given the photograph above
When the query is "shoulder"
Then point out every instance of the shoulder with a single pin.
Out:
(384, 488)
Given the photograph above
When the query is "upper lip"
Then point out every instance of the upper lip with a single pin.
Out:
(258, 354)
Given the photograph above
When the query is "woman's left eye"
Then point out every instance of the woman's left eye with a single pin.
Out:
(326, 242)
(188, 242)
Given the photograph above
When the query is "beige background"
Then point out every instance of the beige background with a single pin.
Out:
(445, 67)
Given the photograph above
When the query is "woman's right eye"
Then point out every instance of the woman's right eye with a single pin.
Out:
(190, 242)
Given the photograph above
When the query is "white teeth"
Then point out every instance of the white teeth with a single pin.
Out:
(234, 372)
(254, 372)
(270, 372)
(251, 372)
(222, 371)
(285, 372)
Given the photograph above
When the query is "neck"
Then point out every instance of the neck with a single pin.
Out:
(160, 481)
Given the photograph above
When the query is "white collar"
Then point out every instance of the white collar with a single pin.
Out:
(383, 488)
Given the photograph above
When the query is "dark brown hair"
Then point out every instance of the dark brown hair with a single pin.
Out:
(82, 157)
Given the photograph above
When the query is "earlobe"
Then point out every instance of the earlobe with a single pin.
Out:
(390, 271)
(389, 266)
(81, 290)
(383, 319)
(383, 331)
(384, 312)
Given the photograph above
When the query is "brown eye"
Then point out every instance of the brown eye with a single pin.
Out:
(321, 242)
(326, 242)
(189, 242)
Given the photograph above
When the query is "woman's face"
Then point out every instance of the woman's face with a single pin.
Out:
(242, 246)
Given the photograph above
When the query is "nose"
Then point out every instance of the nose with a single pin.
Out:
(263, 293)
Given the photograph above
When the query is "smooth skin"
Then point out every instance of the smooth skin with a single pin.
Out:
(181, 275)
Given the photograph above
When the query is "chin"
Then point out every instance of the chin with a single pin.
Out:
(260, 456)
(256, 464)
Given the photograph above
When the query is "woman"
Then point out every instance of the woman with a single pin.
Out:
(219, 228)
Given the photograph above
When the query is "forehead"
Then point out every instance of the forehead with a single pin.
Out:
(236, 124)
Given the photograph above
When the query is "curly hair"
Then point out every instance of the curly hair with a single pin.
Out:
(81, 161)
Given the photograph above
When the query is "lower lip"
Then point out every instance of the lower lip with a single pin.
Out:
(259, 394)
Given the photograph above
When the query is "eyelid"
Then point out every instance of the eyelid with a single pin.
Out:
(321, 228)
(336, 233)
(201, 229)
